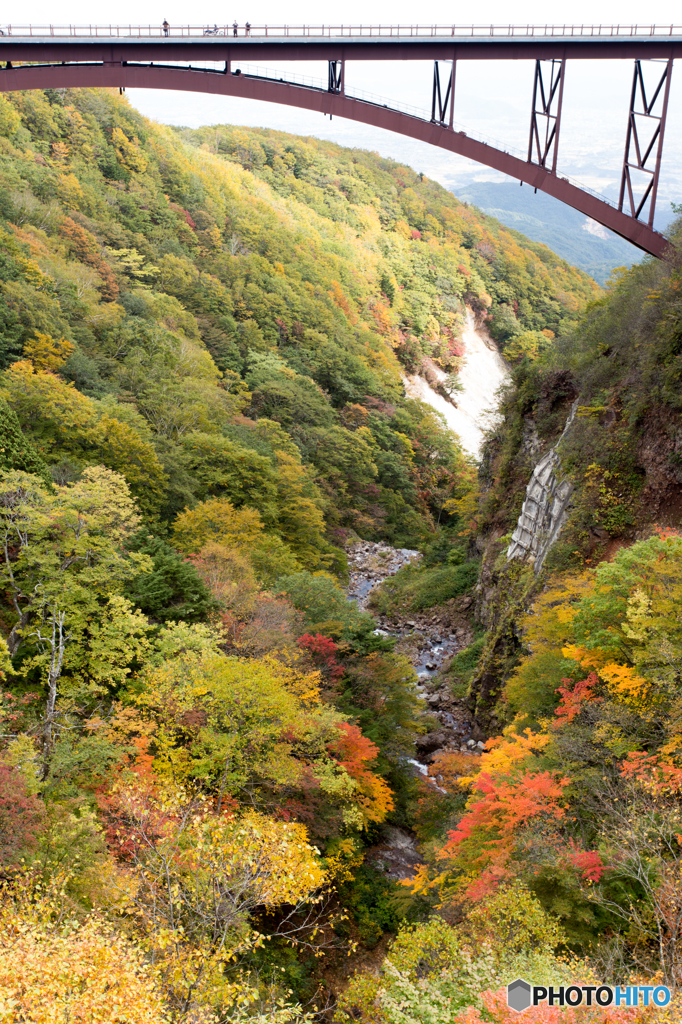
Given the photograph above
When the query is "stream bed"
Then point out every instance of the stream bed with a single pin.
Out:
(429, 639)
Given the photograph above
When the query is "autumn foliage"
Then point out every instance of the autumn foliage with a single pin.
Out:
(203, 341)
(77, 971)
(485, 838)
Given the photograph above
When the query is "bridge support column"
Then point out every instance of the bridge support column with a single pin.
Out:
(638, 161)
(337, 69)
(545, 118)
(443, 103)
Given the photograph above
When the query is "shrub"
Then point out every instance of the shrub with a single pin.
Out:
(414, 589)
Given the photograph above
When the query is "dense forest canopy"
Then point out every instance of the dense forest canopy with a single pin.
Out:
(203, 338)
(189, 297)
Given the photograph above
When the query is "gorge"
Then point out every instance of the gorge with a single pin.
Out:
(287, 735)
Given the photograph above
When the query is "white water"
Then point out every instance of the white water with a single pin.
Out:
(483, 370)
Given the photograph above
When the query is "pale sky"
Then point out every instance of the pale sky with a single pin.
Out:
(353, 11)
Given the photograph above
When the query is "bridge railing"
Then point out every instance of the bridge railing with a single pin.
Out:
(341, 31)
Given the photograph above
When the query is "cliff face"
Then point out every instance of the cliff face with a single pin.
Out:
(569, 481)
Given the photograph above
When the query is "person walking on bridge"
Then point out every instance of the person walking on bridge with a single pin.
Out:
(166, 27)
(247, 29)
(234, 28)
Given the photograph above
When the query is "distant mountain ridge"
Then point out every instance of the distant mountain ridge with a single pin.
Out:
(544, 219)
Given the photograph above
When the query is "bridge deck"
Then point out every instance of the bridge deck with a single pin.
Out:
(352, 42)
(353, 31)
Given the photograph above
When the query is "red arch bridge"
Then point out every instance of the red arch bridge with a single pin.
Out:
(160, 57)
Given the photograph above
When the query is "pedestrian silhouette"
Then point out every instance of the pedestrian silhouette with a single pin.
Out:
(247, 29)
(234, 28)
(166, 27)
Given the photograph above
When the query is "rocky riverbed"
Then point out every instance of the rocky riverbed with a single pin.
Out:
(429, 639)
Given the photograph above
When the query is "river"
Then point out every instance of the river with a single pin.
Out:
(431, 638)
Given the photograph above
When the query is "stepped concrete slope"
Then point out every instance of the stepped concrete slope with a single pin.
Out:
(545, 508)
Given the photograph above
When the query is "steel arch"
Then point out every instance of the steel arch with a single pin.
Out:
(117, 74)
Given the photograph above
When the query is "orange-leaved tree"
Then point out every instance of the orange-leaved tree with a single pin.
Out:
(355, 753)
(484, 842)
(509, 790)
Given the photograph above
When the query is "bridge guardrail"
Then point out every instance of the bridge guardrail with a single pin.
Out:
(342, 31)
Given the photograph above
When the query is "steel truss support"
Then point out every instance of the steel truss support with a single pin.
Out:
(336, 73)
(632, 140)
(443, 104)
(545, 118)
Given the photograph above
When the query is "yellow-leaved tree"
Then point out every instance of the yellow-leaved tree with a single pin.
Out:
(199, 876)
(216, 521)
(48, 353)
(530, 692)
(65, 424)
(219, 521)
(224, 720)
(53, 969)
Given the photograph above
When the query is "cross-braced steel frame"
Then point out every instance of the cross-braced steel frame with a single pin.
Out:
(638, 152)
(443, 103)
(336, 70)
(545, 118)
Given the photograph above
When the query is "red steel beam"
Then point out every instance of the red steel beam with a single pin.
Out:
(115, 75)
(49, 49)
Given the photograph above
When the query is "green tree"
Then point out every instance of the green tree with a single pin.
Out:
(173, 589)
(228, 470)
(16, 451)
(64, 566)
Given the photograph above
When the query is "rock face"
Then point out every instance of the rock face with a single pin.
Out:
(545, 509)
(397, 856)
(473, 410)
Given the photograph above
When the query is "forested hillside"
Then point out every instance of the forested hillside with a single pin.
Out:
(202, 337)
(571, 234)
